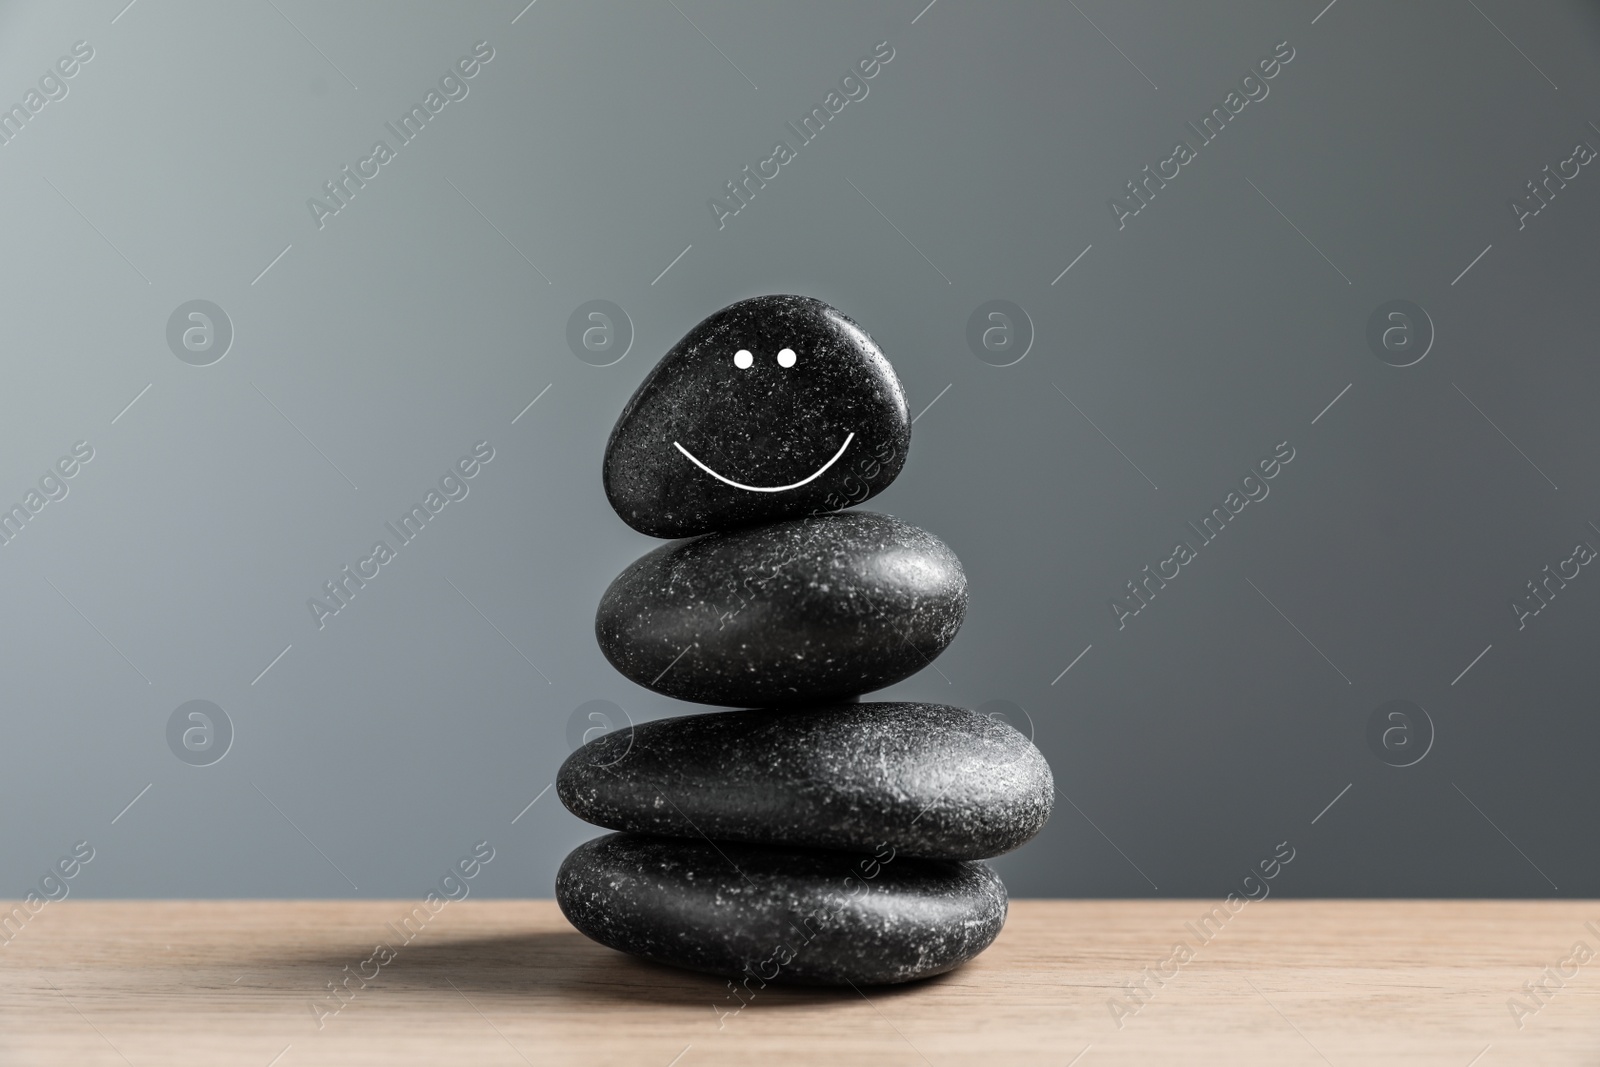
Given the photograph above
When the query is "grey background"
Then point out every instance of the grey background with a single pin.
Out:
(378, 349)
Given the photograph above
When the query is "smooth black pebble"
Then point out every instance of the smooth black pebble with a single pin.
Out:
(804, 916)
(922, 779)
(721, 433)
(808, 609)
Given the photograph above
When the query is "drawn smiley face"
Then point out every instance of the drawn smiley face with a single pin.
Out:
(774, 407)
(744, 359)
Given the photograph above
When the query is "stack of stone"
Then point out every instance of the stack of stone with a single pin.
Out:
(811, 839)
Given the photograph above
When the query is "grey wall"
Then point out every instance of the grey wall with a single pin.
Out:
(371, 352)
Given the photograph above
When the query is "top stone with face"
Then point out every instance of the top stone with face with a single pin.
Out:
(775, 407)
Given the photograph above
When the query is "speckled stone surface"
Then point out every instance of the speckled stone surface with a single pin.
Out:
(808, 609)
(924, 779)
(760, 914)
(764, 426)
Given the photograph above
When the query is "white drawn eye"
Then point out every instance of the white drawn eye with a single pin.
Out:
(786, 357)
(742, 359)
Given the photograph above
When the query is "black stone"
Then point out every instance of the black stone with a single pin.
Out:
(924, 779)
(764, 426)
(809, 609)
(766, 914)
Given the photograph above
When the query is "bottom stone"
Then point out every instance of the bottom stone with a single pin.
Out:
(765, 914)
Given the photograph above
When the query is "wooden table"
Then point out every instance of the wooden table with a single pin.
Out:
(495, 982)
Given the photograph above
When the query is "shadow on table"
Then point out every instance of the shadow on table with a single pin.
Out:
(557, 965)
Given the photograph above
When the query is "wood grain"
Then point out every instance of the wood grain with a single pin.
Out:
(496, 982)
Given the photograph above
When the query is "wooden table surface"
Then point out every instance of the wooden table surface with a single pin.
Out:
(496, 982)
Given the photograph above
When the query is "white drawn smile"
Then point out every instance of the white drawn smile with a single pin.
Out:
(769, 489)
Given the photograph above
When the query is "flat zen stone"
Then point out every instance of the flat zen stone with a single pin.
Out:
(810, 609)
(760, 914)
(921, 779)
(772, 408)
